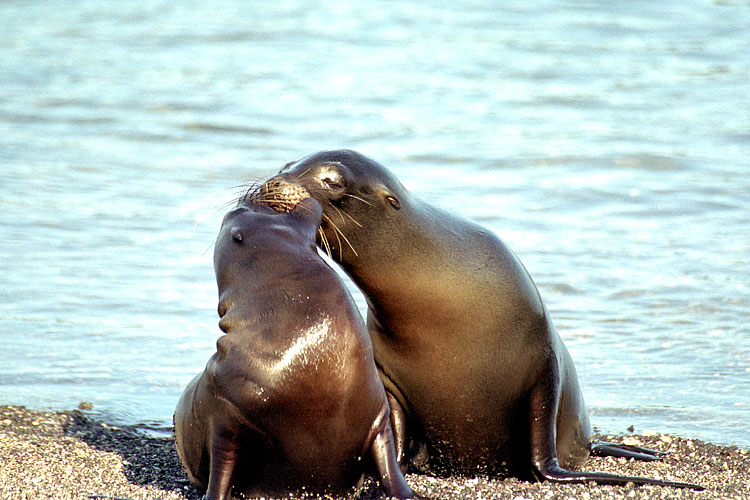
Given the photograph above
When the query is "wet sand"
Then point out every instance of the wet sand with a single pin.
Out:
(68, 455)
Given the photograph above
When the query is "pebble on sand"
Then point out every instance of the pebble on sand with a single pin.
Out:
(67, 455)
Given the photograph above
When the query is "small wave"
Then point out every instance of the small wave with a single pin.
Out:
(227, 129)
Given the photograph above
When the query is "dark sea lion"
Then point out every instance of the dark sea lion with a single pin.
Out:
(475, 372)
(291, 402)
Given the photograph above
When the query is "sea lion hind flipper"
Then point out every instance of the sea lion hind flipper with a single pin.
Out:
(399, 430)
(383, 453)
(551, 471)
(543, 406)
(607, 449)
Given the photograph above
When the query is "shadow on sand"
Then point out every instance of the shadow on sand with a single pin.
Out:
(147, 460)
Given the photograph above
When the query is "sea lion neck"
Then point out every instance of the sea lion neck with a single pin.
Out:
(401, 248)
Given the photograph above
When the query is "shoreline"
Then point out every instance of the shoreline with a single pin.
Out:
(68, 455)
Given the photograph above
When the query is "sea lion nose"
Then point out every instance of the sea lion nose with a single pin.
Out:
(282, 194)
(281, 187)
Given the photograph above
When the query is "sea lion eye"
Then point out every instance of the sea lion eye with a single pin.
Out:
(394, 202)
(332, 184)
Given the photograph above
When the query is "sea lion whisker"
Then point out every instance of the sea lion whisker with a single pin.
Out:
(352, 219)
(209, 247)
(335, 233)
(245, 185)
(339, 212)
(342, 213)
(214, 209)
(349, 243)
(229, 203)
(358, 198)
(338, 232)
(202, 218)
(247, 191)
(239, 191)
(299, 176)
(318, 191)
(324, 242)
(218, 205)
(240, 188)
(303, 207)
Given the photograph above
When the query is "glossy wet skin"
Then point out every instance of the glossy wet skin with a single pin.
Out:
(476, 374)
(291, 400)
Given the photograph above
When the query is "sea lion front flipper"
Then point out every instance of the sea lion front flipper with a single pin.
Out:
(398, 428)
(383, 453)
(223, 452)
(543, 406)
(607, 449)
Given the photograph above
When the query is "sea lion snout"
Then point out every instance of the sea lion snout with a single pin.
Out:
(281, 194)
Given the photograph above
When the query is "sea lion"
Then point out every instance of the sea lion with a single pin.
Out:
(291, 402)
(475, 372)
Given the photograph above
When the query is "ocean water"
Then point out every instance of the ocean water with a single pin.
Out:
(606, 143)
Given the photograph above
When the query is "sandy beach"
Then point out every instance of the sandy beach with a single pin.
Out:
(67, 455)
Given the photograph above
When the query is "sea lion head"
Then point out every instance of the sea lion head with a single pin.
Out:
(360, 198)
(252, 233)
(277, 203)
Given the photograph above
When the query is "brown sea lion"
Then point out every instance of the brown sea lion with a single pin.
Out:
(291, 402)
(475, 372)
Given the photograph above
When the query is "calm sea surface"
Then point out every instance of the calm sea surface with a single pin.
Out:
(606, 142)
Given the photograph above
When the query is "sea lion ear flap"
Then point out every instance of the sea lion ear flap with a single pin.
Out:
(390, 198)
(393, 202)
(383, 193)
